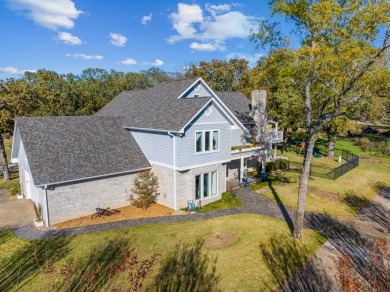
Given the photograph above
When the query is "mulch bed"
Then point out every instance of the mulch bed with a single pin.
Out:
(128, 212)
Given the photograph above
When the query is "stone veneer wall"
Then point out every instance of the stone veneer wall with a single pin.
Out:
(186, 184)
(73, 200)
(165, 180)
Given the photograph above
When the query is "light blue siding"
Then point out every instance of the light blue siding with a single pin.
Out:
(187, 156)
(237, 137)
(157, 147)
(210, 114)
(197, 89)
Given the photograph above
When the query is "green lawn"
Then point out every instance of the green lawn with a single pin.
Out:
(259, 255)
(344, 196)
(8, 145)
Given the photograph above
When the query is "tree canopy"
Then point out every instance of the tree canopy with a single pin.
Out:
(338, 68)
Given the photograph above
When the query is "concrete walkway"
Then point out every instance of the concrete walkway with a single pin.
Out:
(14, 213)
(253, 203)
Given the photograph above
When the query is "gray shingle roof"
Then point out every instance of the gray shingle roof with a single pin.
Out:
(71, 148)
(156, 108)
(238, 104)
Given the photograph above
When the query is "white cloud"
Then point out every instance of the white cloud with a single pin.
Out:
(68, 38)
(14, 71)
(129, 61)
(210, 47)
(216, 9)
(184, 20)
(157, 62)
(233, 24)
(49, 14)
(118, 39)
(212, 27)
(251, 58)
(85, 57)
(146, 19)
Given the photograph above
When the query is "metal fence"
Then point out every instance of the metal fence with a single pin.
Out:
(352, 161)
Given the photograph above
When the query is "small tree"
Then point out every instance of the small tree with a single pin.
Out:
(145, 190)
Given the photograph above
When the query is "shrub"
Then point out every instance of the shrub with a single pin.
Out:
(145, 190)
(363, 143)
(277, 164)
(290, 177)
(228, 196)
(13, 186)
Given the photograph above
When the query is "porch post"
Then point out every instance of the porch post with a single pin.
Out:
(263, 161)
(241, 168)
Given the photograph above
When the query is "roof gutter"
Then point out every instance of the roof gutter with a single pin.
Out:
(153, 130)
(92, 177)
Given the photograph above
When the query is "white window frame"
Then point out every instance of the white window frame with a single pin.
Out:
(203, 137)
(209, 186)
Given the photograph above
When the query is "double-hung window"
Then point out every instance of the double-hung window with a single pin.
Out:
(207, 141)
(206, 185)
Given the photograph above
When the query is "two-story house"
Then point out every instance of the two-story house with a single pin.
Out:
(182, 130)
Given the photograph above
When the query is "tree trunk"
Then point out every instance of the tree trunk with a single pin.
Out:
(331, 144)
(298, 224)
(4, 162)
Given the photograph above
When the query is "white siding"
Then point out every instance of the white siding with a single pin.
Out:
(25, 174)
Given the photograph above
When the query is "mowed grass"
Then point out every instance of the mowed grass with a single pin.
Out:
(344, 196)
(254, 259)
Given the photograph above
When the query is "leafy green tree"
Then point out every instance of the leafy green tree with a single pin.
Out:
(273, 73)
(344, 49)
(145, 190)
(234, 75)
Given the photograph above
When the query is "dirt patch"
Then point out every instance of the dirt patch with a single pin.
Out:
(126, 213)
(371, 160)
(220, 240)
(322, 194)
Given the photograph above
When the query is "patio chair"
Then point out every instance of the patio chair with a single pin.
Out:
(191, 206)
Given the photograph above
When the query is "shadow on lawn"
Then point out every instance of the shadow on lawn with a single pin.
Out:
(344, 238)
(354, 201)
(284, 256)
(29, 261)
(187, 268)
(282, 208)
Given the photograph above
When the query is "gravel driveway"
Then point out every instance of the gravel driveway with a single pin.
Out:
(14, 213)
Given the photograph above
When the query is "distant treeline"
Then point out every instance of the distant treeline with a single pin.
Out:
(47, 93)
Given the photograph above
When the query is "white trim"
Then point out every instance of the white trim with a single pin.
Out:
(211, 123)
(209, 185)
(16, 132)
(161, 164)
(151, 130)
(174, 174)
(203, 107)
(201, 165)
(46, 206)
(204, 141)
(189, 87)
(92, 177)
(191, 166)
(221, 102)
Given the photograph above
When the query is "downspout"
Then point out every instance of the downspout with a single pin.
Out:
(174, 170)
(47, 224)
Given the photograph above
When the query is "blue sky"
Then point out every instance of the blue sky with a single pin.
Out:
(69, 36)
